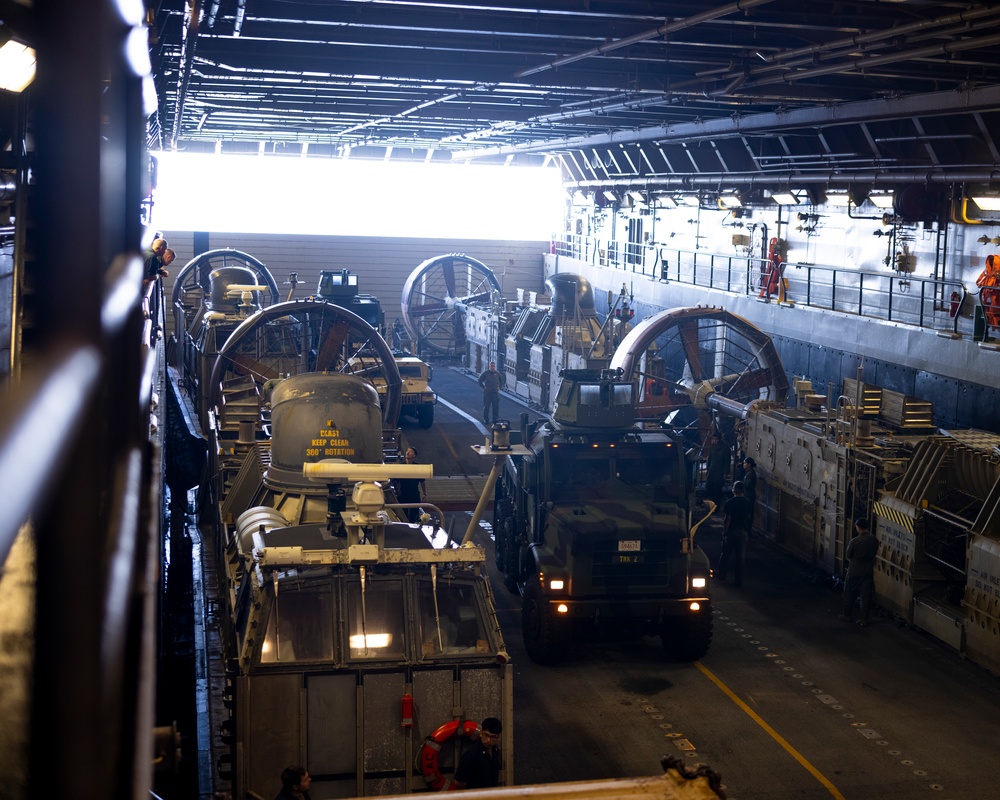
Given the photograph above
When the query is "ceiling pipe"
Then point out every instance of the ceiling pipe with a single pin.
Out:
(193, 13)
(663, 30)
(786, 60)
(241, 12)
(862, 63)
(213, 11)
(716, 180)
(880, 36)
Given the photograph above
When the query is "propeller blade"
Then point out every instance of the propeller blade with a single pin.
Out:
(688, 330)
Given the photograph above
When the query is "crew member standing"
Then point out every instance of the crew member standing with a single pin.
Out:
(860, 580)
(491, 381)
(735, 528)
(479, 767)
(716, 466)
(410, 490)
(750, 487)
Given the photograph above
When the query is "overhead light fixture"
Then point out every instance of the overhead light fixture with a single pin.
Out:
(610, 196)
(730, 201)
(987, 203)
(666, 201)
(838, 198)
(17, 66)
(689, 200)
(882, 199)
(637, 196)
(785, 198)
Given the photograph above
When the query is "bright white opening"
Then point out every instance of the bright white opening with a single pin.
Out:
(272, 194)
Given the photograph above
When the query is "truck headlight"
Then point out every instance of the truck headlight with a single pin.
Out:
(698, 583)
(557, 584)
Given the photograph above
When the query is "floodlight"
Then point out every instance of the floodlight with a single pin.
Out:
(838, 198)
(689, 199)
(610, 196)
(785, 199)
(17, 66)
(987, 203)
(730, 201)
(882, 200)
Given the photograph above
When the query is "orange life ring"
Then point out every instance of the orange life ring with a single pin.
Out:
(430, 766)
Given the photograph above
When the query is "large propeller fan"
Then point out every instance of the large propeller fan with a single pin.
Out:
(435, 299)
(193, 285)
(308, 336)
(691, 362)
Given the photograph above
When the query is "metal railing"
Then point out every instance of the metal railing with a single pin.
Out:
(892, 296)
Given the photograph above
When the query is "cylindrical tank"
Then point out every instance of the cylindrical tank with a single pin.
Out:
(316, 416)
(252, 520)
(570, 292)
(221, 279)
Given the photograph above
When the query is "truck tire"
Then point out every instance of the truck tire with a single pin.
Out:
(511, 556)
(425, 416)
(688, 638)
(545, 638)
(502, 511)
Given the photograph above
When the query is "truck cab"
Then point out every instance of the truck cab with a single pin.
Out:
(593, 527)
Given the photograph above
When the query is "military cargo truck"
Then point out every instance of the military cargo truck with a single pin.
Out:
(594, 527)
(417, 398)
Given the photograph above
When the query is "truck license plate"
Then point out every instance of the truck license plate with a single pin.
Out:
(628, 545)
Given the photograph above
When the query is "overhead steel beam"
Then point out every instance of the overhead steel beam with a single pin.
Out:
(192, 15)
(934, 104)
(663, 30)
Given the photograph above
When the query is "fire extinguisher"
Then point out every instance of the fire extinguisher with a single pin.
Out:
(956, 303)
(407, 711)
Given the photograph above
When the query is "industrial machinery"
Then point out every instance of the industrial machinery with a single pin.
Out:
(216, 292)
(939, 535)
(417, 397)
(341, 288)
(594, 526)
(349, 634)
(534, 338)
(933, 496)
(436, 297)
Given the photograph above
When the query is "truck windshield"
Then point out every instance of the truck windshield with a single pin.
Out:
(633, 470)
